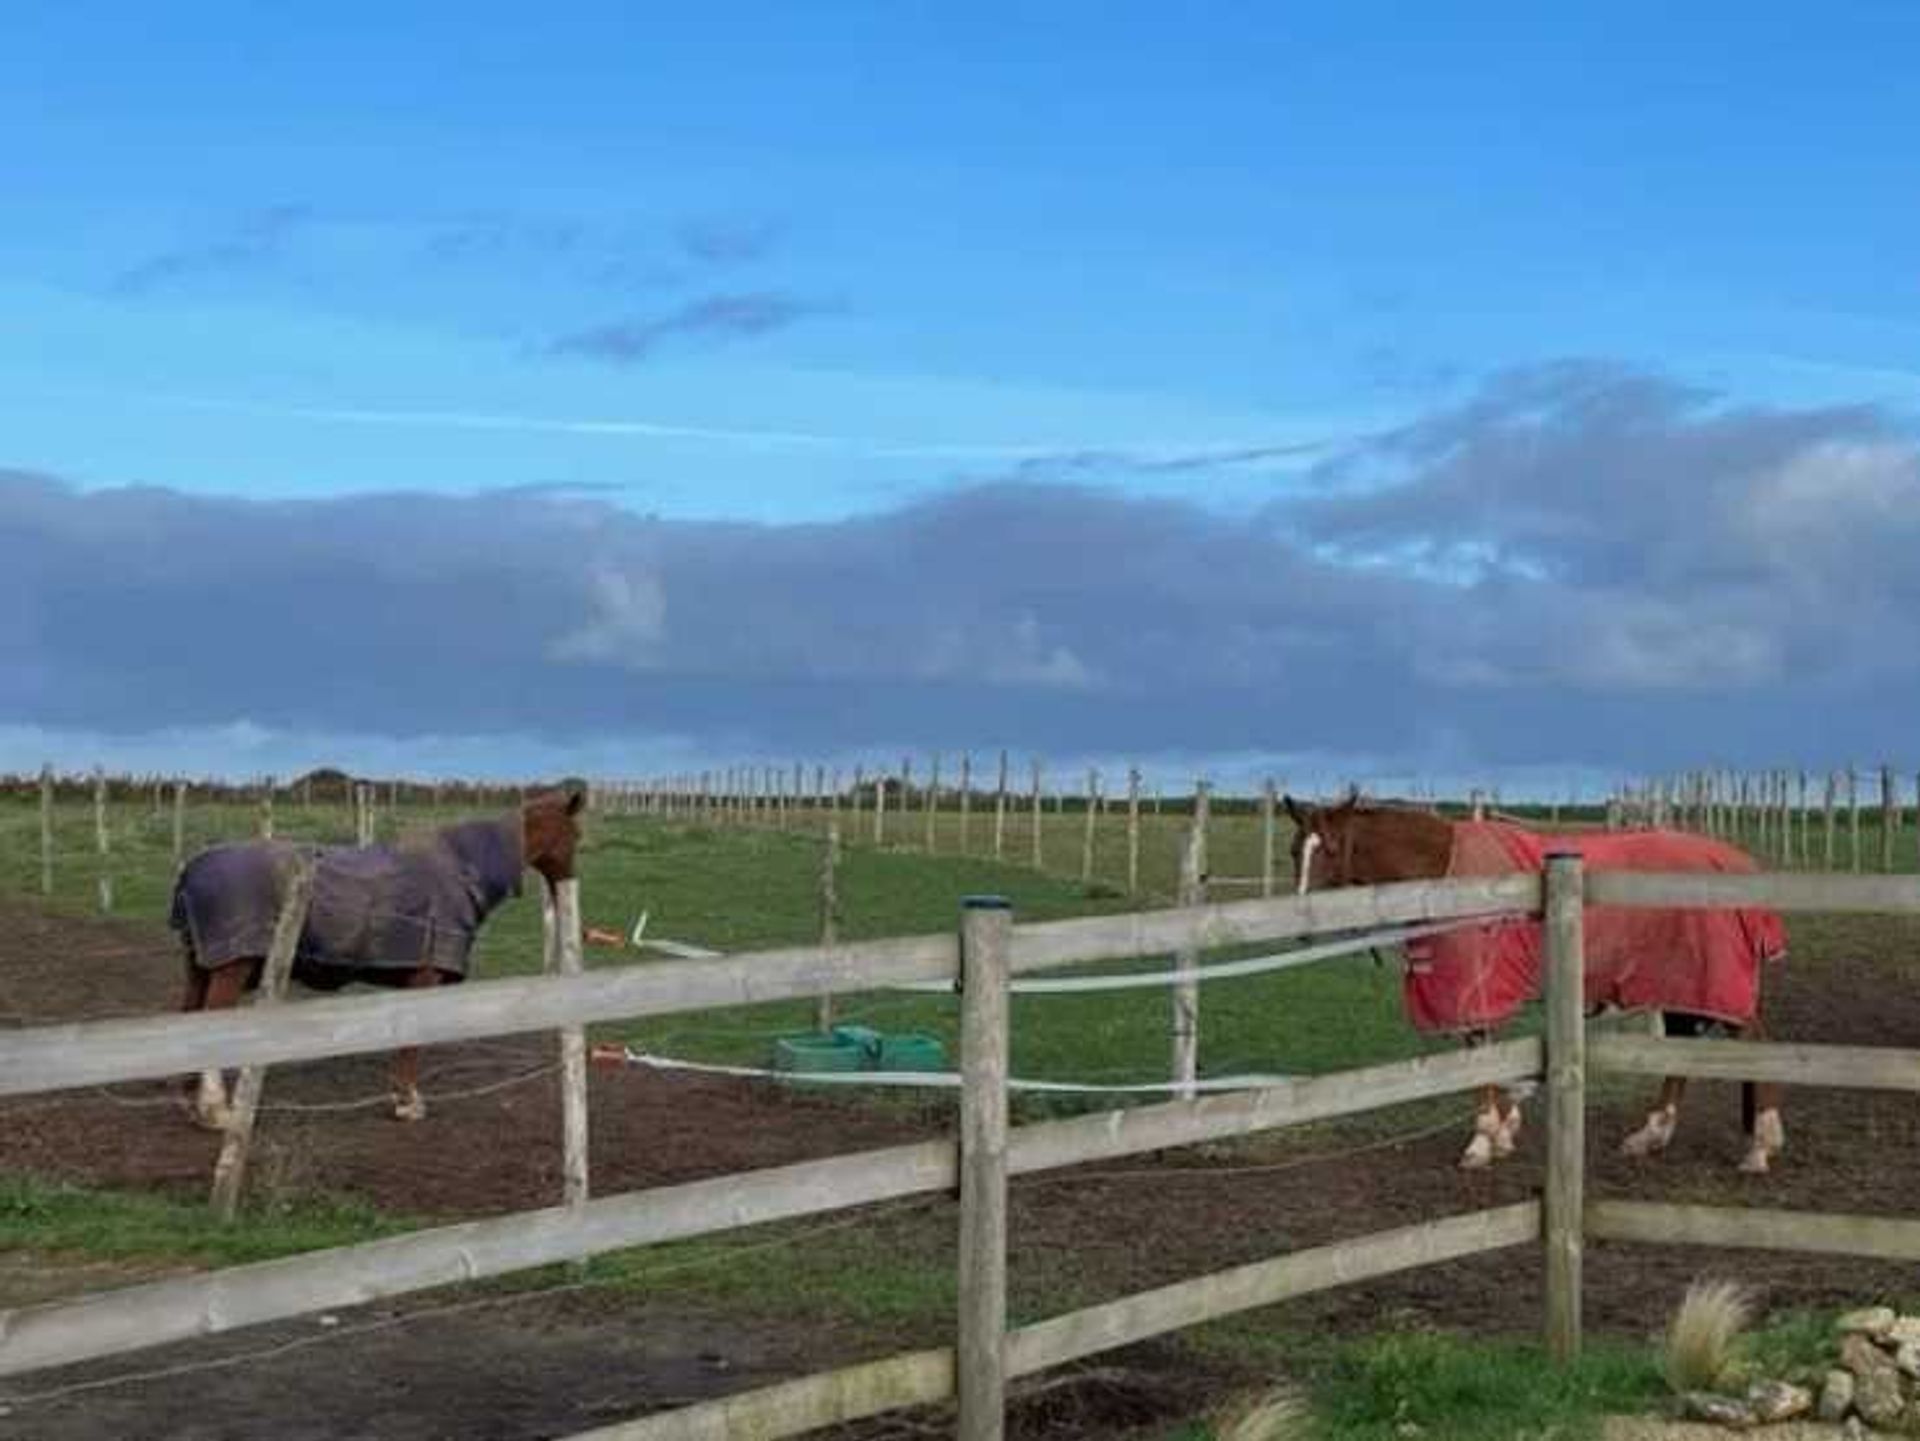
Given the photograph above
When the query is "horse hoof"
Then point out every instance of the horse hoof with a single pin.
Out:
(218, 1121)
(1478, 1155)
(1755, 1163)
(413, 1108)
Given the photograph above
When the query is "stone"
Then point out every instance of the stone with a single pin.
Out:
(1772, 1401)
(1905, 1331)
(1719, 1410)
(1862, 1357)
(1878, 1398)
(1836, 1396)
(1907, 1358)
(1874, 1321)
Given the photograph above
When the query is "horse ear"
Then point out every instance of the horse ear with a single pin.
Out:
(576, 798)
(1294, 812)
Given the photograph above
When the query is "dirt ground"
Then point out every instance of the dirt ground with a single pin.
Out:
(546, 1366)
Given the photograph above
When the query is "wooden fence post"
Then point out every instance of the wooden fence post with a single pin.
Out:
(1853, 814)
(1268, 802)
(1566, 1057)
(986, 924)
(1039, 859)
(46, 830)
(230, 1171)
(906, 796)
(102, 839)
(1000, 811)
(1831, 822)
(829, 916)
(564, 957)
(179, 824)
(1133, 830)
(932, 806)
(879, 807)
(266, 810)
(1889, 817)
(1093, 819)
(1186, 990)
(966, 798)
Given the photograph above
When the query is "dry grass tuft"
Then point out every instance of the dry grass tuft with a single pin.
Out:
(1278, 1415)
(1697, 1350)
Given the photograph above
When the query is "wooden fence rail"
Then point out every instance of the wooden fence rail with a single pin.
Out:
(987, 1152)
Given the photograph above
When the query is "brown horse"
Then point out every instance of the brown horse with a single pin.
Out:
(1359, 843)
(400, 916)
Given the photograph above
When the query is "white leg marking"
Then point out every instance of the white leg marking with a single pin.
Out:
(1481, 1149)
(409, 1105)
(210, 1102)
(1654, 1137)
(1769, 1137)
(1508, 1136)
(1307, 848)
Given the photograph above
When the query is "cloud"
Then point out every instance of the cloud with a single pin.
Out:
(255, 241)
(1578, 567)
(727, 316)
(728, 242)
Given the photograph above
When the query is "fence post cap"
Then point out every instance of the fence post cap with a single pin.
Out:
(985, 903)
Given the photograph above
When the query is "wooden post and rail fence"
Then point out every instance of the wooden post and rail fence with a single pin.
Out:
(982, 957)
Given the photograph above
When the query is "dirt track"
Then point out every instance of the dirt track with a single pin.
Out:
(545, 1366)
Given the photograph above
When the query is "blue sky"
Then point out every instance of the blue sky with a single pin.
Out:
(813, 267)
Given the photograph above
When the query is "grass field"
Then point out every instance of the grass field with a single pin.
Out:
(735, 888)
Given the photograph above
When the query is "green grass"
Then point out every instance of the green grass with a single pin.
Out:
(59, 1219)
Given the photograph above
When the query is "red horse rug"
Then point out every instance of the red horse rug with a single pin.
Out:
(1693, 961)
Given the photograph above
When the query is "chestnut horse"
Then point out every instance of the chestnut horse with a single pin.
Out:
(1358, 843)
(398, 916)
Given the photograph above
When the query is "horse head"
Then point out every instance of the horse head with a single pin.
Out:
(1364, 843)
(550, 831)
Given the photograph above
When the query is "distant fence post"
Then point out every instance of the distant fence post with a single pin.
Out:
(966, 797)
(1133, 830)
(1268, 807)
(1186, 990)
(46, 830)
(932, 806)
(986, 923)
(266, 810)
(1889, 816)
(1093, 819)
(1566, 1056)
(230, 1171)
(102, 839)
(1000, 811)
(879, 807)
(564, 957)
(1853, 814)
(829, 915)
(179, 823)
(1039, 856)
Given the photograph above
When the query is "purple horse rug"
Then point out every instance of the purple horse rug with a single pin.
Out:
(377, 913)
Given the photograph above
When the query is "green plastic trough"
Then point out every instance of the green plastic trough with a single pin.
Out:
(848, 1049)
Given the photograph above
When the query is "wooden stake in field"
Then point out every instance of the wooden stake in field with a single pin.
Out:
(1853, 814)
(1566, 1101)
(859, 783)
(980, 1359)
(1038, 858)
(1186, 990)
(1889, 816)
(1269, 804)
(266, 810)
(1000, 811)
(230, 1171)
(102, 839)
(1832, 846)
(906, 794)
(879, 807)
(1086, 833)
(829, 915)
(932, 806)
(966, 798)
(46, 830)
(179, 824)
(565, 957)
(1133, 830)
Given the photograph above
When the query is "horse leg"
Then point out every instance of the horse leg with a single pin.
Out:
(1760, 1113)
(219, 990)
(1656, 1133)
(408, 1103)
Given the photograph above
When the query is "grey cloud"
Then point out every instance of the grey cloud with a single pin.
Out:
(1577, 567)
(254, 241)
(743, 314)
(728, 242)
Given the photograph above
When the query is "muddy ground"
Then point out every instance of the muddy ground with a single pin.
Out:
(546, 1365)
